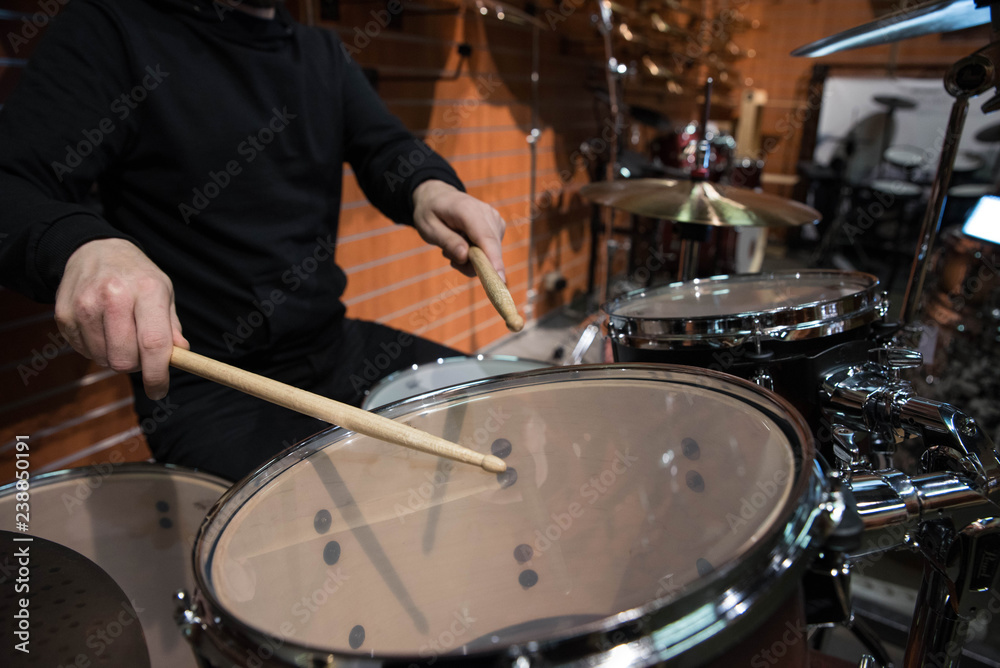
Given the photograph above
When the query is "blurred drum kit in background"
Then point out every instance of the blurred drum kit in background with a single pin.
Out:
(701, 501)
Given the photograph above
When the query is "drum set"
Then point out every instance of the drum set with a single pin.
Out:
(698, 502)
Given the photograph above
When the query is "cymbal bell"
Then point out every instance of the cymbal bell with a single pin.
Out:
(700, 202)
(925, 19)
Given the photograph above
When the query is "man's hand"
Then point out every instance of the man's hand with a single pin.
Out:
(116, 307)
(448, 218)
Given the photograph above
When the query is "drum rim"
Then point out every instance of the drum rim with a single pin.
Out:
(809, 320)
(760, 581)
(441, 361)
(119, 468)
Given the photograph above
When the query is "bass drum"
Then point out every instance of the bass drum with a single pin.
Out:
(649, 514)
(137, 522)
(445, 372)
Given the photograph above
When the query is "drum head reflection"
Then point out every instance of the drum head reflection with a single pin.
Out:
(734, 295)
(621, 490)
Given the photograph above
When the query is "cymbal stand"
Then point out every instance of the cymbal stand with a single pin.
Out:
(969, 77)
(606, 26)
(693, 235)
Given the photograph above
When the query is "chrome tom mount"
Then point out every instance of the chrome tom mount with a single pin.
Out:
(948, 511)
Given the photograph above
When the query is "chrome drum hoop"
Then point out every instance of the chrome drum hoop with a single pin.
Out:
(675, 628)
(808, 320)
(119, 469)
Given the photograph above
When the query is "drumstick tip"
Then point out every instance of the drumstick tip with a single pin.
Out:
(493, 464)
(515, 323)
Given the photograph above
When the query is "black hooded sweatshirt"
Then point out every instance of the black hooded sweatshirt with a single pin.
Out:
(217, 142)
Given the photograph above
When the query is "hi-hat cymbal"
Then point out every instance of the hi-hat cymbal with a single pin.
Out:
(926, 19)
(700, 202)
(990, 134)
(895, 102)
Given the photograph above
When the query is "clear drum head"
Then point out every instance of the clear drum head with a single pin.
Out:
(448, 371)
(789, 305)
(628, 490)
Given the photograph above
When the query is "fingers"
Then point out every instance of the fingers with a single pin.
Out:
(116, 307)
(119, 328)
(154, 330)
(454, 246)
(81, 320)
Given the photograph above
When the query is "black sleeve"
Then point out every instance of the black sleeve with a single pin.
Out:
(387, 159)
(58, 134)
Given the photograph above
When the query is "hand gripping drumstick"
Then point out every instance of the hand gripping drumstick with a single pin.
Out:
(328, 410)
(496, 289)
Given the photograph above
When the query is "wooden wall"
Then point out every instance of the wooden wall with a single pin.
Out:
(477, 113)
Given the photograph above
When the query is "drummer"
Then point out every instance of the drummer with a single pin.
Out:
(216, 133)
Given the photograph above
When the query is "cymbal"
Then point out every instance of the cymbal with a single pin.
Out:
(73, 596)
(925, 19)
(895, 102)
(700, 202)
(990, 134)
(508, 13)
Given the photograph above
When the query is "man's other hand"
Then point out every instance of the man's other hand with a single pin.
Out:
(116, 307)
(448, 218)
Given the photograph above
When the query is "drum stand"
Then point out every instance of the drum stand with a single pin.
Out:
(969, 77)
(949, 512)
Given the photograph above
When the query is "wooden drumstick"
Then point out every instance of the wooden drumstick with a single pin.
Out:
(496, 289)
(328, 410)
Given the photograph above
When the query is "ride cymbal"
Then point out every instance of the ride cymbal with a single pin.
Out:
(925, 19)
(700, 202)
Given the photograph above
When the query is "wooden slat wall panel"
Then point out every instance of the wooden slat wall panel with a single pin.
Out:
(62, 401)
(479, 120)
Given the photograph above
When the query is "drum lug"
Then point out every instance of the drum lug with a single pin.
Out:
(187, 614)
(762, 378)
(882, 305)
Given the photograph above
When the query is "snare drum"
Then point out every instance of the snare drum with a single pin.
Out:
(648, 514)
(805, 321)
(446, 372)
(137, 522)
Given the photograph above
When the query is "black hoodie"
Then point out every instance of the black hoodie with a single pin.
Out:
(217, 141)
